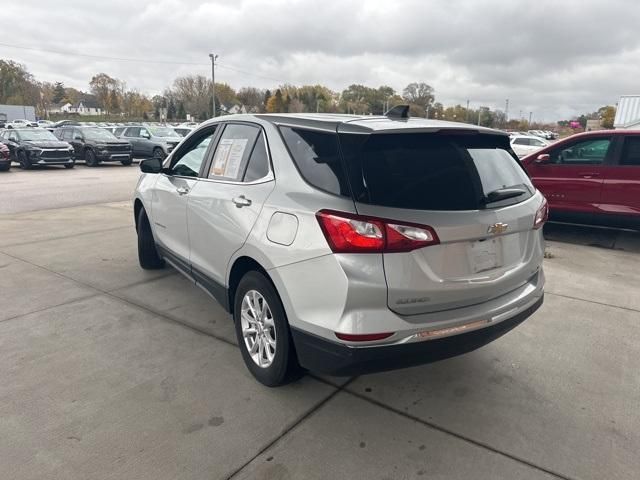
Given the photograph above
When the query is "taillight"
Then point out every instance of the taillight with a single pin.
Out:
(542, 215)
(350, 233)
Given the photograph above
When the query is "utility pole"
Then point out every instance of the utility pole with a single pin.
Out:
(506, 111)
(467, 119)
(213, 81)
(427, 112)
(530, 115)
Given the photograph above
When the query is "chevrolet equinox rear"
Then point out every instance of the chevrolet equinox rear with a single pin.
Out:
(346, 244)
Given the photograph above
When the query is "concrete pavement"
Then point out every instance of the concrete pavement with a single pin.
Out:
(112, 372)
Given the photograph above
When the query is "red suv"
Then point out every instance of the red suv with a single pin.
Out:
(591, 177)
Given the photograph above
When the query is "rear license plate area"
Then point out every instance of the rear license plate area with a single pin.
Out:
(485, 255)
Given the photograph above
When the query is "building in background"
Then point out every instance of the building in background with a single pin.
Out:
(628, 113)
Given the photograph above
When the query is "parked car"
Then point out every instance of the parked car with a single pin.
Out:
(524, 145)
(183, 131)
(64, 123)
(20, 123)
(344, 244)
(591, 178)
(36, 147)
(44, 123)
(95, 145)
(151, 141)
(5, 158)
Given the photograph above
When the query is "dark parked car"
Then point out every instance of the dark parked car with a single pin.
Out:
(5, 158)
(95, 145)
(150, 141)
(36, 146)
(591, 177)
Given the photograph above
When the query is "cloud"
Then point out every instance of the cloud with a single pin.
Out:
(553, 58)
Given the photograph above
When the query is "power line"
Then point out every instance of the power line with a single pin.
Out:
(136, 60)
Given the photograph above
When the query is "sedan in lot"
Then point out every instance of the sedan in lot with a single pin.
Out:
(591, 177)
(344, 244)
(37, 147)
(96, 145)
(524, 145)
(147, 141)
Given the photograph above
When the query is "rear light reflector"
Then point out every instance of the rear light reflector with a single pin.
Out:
(542, 215)
(350, 233)
(365, 337)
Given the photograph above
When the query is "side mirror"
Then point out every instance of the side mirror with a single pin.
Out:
(543, 158)
(151, 165)
(78, 137)
(145, 135)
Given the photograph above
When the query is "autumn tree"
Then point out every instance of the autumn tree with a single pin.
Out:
(17, 85)
(607, 116)
(101, 86)
(252, 98)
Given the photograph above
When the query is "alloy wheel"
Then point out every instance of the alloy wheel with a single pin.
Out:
(258, 328)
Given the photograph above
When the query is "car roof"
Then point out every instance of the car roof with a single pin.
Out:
(368, 123)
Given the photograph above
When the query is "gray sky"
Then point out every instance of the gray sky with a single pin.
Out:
(553, 58)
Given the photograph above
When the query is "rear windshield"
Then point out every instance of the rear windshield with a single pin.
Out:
(428, 171)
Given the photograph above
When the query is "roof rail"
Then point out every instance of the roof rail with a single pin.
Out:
(399, 111)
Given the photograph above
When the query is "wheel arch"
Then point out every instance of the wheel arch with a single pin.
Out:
(137, 207)
(240, 267)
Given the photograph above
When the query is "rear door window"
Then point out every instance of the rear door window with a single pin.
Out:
(317, 157)
(429, 171)
(631, 151)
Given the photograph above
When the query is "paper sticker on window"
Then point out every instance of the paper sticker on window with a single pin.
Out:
(228, 157)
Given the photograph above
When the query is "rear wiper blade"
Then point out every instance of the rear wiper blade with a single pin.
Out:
(503, 194)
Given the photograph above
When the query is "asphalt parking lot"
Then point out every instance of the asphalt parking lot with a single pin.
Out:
(111, 372)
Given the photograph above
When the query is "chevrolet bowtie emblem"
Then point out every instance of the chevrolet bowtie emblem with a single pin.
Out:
(498, 228)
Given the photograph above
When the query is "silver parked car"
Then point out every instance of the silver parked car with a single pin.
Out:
(346, 244)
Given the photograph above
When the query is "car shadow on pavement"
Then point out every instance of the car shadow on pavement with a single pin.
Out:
(626, 240)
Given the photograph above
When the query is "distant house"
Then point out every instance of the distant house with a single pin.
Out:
(628, 113)
(64, 107)
(233, 109)
(87, 106)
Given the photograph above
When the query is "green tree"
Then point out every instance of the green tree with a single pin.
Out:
(419, 94)
(58, 92)
(171, 110)
(181, 111)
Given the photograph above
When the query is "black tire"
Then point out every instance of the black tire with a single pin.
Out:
(127, 162)
(5, 167)
(69, 165)
(147, 251)
(284, 367)
(159, 153)
(24, 161)
(90, 158)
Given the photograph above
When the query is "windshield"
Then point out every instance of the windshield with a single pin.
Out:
(164, 132)
(429, 171)
(98, 134)
(36, 134)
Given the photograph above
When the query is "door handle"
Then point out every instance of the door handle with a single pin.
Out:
(182, 190)
(589, 174)
(241, 201)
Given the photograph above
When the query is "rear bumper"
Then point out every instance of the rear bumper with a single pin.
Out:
(322, 356)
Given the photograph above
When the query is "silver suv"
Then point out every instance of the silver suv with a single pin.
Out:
(346, 244)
